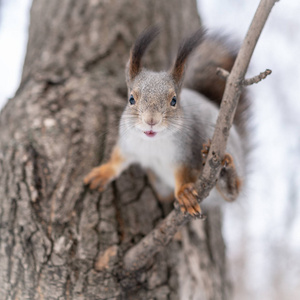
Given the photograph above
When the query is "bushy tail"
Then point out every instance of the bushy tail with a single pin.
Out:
(201, 76)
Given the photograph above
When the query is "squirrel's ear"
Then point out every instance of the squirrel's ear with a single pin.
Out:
(137, 51)
(185, 49)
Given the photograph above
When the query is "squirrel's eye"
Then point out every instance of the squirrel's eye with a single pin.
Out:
(131, 100)
(173, 102)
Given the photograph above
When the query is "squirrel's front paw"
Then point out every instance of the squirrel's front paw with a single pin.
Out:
(99, 177)
(187, 198)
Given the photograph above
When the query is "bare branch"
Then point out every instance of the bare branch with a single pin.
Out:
(257, 78)
(156, 240)
(222, 73)
(139, 255)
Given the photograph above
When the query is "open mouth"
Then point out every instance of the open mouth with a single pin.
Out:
(150, 133)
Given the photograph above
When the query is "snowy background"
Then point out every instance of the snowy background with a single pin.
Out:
(262, 230)
(14, 22)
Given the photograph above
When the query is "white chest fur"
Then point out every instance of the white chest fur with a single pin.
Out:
(153, 153)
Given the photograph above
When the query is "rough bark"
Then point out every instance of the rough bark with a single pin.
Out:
(58, 240)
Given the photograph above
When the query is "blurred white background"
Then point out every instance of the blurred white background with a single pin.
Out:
(14, 22)
(262, 230)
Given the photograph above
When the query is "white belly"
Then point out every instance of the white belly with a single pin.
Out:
(155, 154)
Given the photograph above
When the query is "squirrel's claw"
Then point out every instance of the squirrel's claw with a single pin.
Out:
(204, 151)
(227, 161)
(187, 198)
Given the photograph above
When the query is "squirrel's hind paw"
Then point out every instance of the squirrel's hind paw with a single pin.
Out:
(229, 184)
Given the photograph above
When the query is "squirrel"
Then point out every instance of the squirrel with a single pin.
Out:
(169, 119)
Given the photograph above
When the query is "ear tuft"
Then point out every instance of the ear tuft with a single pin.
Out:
(185, 49)
(137, 51)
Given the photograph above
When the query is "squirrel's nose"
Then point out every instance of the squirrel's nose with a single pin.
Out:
(151, 122)
(152, 119)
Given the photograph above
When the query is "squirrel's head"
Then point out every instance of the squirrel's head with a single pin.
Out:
(154, 97)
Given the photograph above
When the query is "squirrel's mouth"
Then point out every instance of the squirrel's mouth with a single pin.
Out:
(150, 133)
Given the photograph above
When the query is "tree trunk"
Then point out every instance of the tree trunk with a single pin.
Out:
(58, 240)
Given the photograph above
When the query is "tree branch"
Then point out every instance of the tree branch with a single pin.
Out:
(139, 255)
(257, 78)
(222, 73)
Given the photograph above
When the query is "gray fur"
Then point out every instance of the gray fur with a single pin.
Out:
(180, 130)
(197, 117)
